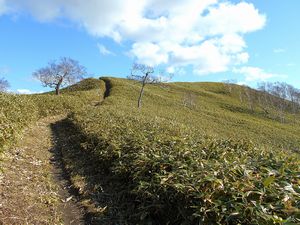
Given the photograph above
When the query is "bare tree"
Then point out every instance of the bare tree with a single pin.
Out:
(145, 75)
(292, 94)
(264, 98)
(250, 95)
(4, 85)
(297, 99)
(279, 89)
(280, 97)
(59, 74)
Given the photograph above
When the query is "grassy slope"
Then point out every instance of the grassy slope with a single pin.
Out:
(216, 162)
(216, 112)
(17, 111)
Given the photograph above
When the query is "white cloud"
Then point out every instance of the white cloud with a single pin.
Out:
(228, 18)
(279, 50)
(232, 43)
(3, 7)
(24, 91)
(242, 58)
(149, 53)
(176, 70)
(206, 34)
(256, 74)
(103, 50)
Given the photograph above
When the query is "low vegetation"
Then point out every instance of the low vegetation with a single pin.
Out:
(216, 162)
(18, 111)
(195, 153)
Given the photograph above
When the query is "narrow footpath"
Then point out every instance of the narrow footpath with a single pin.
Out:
(33, 187)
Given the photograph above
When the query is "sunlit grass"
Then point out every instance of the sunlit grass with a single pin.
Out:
(194, 153)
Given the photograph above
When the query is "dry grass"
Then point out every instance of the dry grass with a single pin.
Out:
(30, 189)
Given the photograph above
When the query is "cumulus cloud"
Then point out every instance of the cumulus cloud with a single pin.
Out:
(256, 74)
(103, 50)
(149, 53)
(176, 70)
(228, 18)
(207, 35)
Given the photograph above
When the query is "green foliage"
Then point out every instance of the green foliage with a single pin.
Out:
(18, 111)
(201, 165)
(217, 162)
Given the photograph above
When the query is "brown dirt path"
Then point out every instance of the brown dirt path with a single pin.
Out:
(33, 189)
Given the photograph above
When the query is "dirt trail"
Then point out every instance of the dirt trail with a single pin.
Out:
(33, 186)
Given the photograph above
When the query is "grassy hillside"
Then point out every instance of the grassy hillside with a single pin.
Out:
(193, 154)
(212, 162)
(18, 111)
(215, 112)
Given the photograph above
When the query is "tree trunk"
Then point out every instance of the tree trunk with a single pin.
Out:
(140, 97)
(57, 88)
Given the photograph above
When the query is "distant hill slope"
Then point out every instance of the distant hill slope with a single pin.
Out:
(212, 109)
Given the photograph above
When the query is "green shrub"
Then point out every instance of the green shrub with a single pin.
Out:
(182, 177)
(16, 112)
(177, 174)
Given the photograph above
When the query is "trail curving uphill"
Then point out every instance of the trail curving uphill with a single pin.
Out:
(36, 176)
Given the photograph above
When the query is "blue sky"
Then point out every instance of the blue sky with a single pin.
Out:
(248, 41)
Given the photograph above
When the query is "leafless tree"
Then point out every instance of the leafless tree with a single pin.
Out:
(59, 74)
(247, 96)
(250, 96)
(280, 97)
(280, 91)
(4, 85)
(293, 95)
(264, 97)
(297, 98)
(145, 75)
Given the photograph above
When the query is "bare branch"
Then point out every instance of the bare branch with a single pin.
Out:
(280, 96)
(145, 75)
(56, 75)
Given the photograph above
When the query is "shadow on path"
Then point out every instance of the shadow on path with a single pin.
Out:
(72, 212)
(94, 188)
